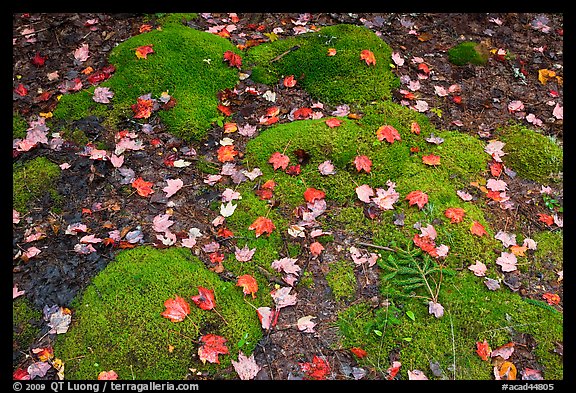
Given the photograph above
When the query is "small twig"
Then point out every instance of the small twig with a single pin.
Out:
(376, 246)
(285, 53)
(270, 277)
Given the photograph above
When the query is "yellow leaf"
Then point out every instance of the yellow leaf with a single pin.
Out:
(45, 115)
(508, 371)
(272, 36)
(544, 75)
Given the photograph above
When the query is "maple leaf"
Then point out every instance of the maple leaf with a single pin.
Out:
(248, 284)
(496, 185)
(293, 170)
(288, 265)
(302, 113)
(436, 309)
(455, 214)
(504, 351)
(478, 229)
(144, 188)
(506, 371)
(176, 309)
(205, 298)
(546, 219)
(226, 210)
(233, 59)
(305, 324)
(282, 297)
(312, 194)
(507, 238)
(464, 195)
(210, 347)
(364, 192)
(363, 163)
(266, 315)
(318, 369)
(552, 298)
(174, 185)
(478, 268)
(326, 168)
(289, 81)
(431, 159)
(245, 254)
(496, 168)
(226, 153)
(418, 198)
(246, 367)
(38, 369)
(507, 261)
(262, 225)
(483, 349)
(102, 95)
(279, 160)
(81, 54)
(20, 375)
(108, 375)
(21, 90)
(16, 292)
(368, 57)
(359, 352)
(389, 133)
(333, 122)
(416, 375)
(225, 110)
(143, 108)
(393, 370)
(426, 244)
(316, 248)
(518, 250)
(161, 222)
(142, 52)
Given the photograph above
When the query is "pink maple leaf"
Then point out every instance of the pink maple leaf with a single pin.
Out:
(174, 185)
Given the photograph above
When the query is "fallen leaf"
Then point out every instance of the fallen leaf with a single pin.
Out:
(436, 309)
(416, 375)
(418, 198)
(176, 309)
(364, 192)
(546, 219)
(226, 153)
(246, 367)
(552, 298)
(368, 57)
(316, 248)
(318, 369)
(102, 95)
(107, 375)
(289, 81)
(507, 261)
(507, 371)
(262, 225)
(279, 160)
(248, 284)
(504, 351)
(233, 59)
(282, 297)
(478, 229)
(455, 214)
(211, 345)
(483, 349)
(226, 210)
(205, 298)
(479, 269)
(38, 369)
(431, 159)
(362, 162)
(287, 265)
(142, 52)
(16, 292)
(244, 254)
(389, 133)
(492, 284)
(507, 238)
(392, 371)
(162, 222)
(305, 324)
(81, 54)
(312, 194)
(174, 185)
(327, 168)
(359, 352)
(333, 122)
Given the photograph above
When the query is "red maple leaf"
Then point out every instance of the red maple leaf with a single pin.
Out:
(293, 170)
(248, 284)
(426, 244)
(389, 133)
(415, 128)
(224, 233)
(316, 248)
(368, 57)
(264, 193)
(478, 229)
(333, 122)
(483, 350)
(210, 347)
(233, 59)
(225, 110)
(142, 52)
(142, 109)
(21, 90)
(279, 160)
(455, 214)
(431, 159)
(226, 153)
(262, 225)
(318, 369)
(496, 168)
(289, 81)
(38, 60)
(176, 309)
(363, 162)
(417, 198)
(302, 113)
(552, 298)
(143, 188)
(359, 352)
(312, 194)
(546, 219)
(205, 298)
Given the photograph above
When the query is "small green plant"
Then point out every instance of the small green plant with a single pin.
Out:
(468, 52)
(551, 203)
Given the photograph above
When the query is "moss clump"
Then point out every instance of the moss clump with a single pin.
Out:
(549, 254)
(32, 180)
(178, 18)
(19, 126)
(25, 324)
(342, 280)
(186, 63)
(472, 313)
(117, 322)
(343, 78)
(468, 52)
(532, 155)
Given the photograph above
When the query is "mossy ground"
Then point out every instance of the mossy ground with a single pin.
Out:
(468, 52)
(472, 313)
(186, 63)
(19, 126)
(25, 324)
(34, 179)
(343, 78)
(117, 323)
(522, 143)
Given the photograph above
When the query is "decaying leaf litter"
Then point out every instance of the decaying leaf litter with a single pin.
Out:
(479, 105)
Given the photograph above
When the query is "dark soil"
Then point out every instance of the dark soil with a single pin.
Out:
(59, 273)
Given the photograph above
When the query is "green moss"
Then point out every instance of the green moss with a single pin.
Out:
(117, 323)
(25, 324)
(178, 18)
(342, 280)
(32, 180)
(468, 52)
(19, 126)
(186, 63)
(75, 135)
(472, 313)
(343, 78)
(532, 155)
(548, 257)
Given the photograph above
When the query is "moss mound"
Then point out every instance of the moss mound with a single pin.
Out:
(342, 78)
(25, 325)
(117, 323)
(472, 313)
(19, 126)
(33, 179)
(468, 52)
(186, 63)
(532, 155)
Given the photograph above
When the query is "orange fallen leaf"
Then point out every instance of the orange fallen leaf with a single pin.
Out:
(226, 153)
(262, 225)
(248, 284)
(142, 52)
(483, 349)
(455, 214)
(552, 298)
(478, 229)
(143, 188)
(431, 159)
(368, 57)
